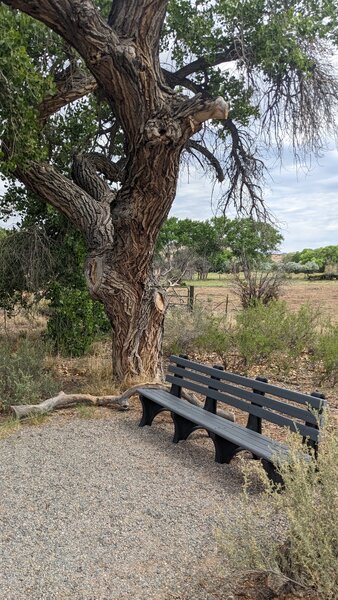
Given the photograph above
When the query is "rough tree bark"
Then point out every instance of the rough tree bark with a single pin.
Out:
(121, 228)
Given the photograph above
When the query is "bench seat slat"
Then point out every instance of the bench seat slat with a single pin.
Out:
(263, 413)
(256, 443)
(299, 397)
(293, 411)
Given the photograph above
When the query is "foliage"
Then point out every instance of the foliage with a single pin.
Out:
(76, 320)
(297, 267)
(321, 256)
(49, 263)
(305, 555)
(22, 69)
(23, 377)
(273, 330)
(256, 286)
(221, 241)
(248, 238)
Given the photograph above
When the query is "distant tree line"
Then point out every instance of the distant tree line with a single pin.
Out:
(219, 244)
(318, 260)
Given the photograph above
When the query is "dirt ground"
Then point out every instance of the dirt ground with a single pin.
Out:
(218, 296)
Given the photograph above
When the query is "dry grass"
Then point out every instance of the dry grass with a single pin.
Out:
(217, 294)
(9, 425)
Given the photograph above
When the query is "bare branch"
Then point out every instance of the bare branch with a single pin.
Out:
(211, 158)
(63, 400)
(245, 173)
(301, 106)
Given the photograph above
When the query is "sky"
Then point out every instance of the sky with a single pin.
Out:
(304, 203)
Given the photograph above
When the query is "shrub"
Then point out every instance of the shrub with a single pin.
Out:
(327, 351)
(76, 320)
(198, 330)
(257, 286)
(272, 329)
(305, 554)
(23, 377)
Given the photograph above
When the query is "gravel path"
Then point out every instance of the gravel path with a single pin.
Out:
(100, 509)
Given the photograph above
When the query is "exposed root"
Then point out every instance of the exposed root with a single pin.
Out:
(121, 401)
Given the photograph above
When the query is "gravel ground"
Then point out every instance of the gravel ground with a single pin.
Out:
(97, 509)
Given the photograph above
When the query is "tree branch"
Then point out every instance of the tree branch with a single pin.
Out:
(209, 156)
(174, 80)
(140, 19)
(202, 63)
(84, 173)
(71, 86)
(91, 218)
(69, 18)
(63, 400)
(245, 173)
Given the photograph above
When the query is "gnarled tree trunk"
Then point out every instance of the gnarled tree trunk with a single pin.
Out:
(121, 228)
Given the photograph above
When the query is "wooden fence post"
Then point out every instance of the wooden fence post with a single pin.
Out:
(191, 297)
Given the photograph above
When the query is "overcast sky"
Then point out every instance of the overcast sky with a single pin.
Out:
(303, 203)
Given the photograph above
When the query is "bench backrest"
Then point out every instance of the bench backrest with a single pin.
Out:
(301, 413)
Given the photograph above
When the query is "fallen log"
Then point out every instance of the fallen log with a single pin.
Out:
(120, 401)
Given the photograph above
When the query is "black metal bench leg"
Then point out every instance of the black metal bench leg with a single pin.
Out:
(225, 450)
(183, 427)
(271, 472)
(150, 410)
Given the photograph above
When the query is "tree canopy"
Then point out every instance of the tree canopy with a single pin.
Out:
(102, 101)
(221, 239)
(328, 255)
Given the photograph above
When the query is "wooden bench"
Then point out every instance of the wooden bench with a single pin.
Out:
(262, 401)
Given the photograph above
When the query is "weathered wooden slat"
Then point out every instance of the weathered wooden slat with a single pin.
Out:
(266, 414)
(299, 397)
(250, 396)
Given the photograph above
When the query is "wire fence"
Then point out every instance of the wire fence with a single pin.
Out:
(188, 297)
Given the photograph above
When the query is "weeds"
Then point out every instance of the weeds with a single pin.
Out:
(85, 412)
(10, 424)
(271, 332)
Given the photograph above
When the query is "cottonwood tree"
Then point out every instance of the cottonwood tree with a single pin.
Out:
(94, 126)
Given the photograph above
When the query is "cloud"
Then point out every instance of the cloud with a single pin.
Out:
(303, 202)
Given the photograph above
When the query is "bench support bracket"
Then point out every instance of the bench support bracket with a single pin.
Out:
(271, 472)
(150, 410)
(225, 450)
(183, 427)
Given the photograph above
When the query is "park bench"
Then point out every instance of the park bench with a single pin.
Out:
(296, 411)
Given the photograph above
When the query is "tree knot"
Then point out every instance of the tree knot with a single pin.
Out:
(163, 130)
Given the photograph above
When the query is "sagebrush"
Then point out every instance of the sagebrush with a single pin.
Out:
(298, 536)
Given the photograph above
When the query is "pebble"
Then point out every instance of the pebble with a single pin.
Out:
(100, 509)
